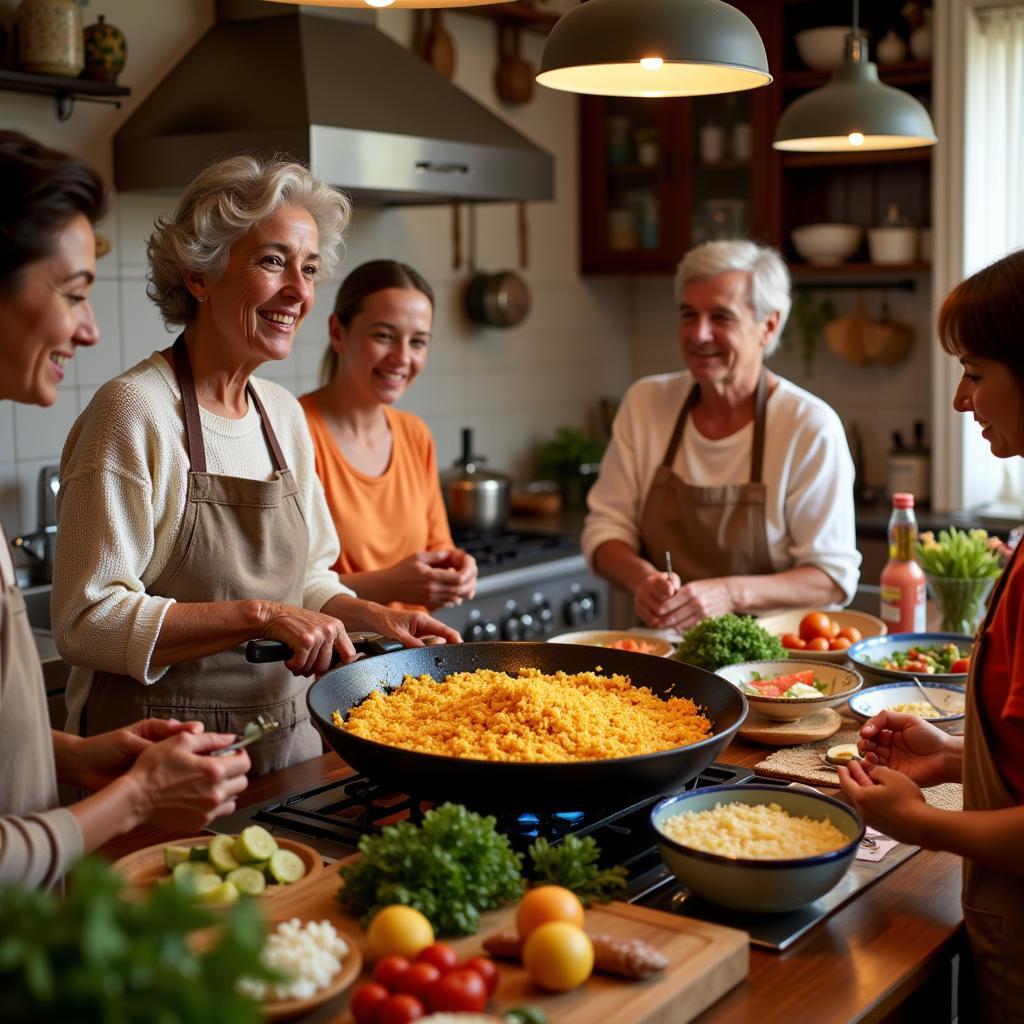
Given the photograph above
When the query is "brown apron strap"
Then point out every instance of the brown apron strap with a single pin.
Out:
(268, 432)
(756, 449)
(193, 428)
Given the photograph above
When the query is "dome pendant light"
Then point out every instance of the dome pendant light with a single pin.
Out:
(370, 5)
(854, 111)
(653, 48)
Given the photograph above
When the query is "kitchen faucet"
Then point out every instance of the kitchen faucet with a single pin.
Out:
(39, 544)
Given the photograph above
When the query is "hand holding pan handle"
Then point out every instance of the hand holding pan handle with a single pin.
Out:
(262, 651)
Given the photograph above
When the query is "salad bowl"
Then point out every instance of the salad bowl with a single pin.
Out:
(890, 656)
(834, 685)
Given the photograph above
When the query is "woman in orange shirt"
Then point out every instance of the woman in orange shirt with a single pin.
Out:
(377, 464)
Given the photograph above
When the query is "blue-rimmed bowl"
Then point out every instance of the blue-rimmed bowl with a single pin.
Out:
(867, 703)
(868, 654)
(763, 886)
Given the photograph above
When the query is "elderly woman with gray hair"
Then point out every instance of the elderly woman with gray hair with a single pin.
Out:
(743, 479)
(190, 515)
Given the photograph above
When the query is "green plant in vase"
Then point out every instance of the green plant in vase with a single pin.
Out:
(960, 567)
(572, 458)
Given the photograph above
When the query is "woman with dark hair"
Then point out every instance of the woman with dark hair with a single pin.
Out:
(980, 323)
(377, 463)
(151, 771)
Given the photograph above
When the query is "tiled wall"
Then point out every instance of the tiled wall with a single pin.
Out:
(514, 387)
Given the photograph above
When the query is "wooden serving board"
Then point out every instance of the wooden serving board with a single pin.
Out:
(705, 961)
(817, 726)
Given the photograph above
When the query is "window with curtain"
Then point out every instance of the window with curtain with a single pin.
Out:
(993, 198)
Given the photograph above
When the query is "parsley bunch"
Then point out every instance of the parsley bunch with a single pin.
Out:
(95, 958)
(451, 868)
(728, 640)
(573, 863)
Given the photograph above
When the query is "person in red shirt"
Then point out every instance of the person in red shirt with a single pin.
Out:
(377, 463)
(980, 323)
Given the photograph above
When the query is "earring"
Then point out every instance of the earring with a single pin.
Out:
(202, 298)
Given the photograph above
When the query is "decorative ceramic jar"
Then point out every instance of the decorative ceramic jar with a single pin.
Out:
(921, 38)
(105, 52)
(50, 37)
(891, 49)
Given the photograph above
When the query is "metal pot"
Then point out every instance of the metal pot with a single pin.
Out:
(498, 300)
(476, 498)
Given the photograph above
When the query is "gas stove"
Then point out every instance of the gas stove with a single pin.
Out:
(514, 549)
(333, 817)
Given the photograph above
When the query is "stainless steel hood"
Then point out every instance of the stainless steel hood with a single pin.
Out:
(330, 89)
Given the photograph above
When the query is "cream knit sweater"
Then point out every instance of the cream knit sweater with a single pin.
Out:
(124, 476)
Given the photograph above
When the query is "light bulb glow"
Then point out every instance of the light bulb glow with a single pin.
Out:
(379, 3)
(856, 139)
(651, 63)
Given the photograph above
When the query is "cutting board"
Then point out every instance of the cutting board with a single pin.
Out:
(817, 726)
(705, 961)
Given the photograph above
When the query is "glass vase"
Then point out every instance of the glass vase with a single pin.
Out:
(961, 602)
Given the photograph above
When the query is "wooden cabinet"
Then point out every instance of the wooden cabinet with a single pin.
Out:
(658, 176)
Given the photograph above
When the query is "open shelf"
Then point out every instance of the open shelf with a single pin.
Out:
(907, 72)
(855, 269)
(64, 89)
(919, 154)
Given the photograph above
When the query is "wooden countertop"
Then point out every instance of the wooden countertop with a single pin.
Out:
(892, 942)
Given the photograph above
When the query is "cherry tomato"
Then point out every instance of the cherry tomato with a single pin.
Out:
(366, 1002)
(960, 665)
(833, 628)
(400, 1009)
(839, 643)
(416, 979)
(389, 969)
(441, 955)
(815, 624)
(852, 633)
(486, 968)
(793, 642)
(459, 990)
(817, 643)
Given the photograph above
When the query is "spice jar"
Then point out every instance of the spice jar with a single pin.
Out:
(105, 51)
(50, 37)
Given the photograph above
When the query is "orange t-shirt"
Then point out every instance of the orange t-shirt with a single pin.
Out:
(1001, 693)
(382, 519)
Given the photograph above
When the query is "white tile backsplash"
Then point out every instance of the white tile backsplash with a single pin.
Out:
(40, 431)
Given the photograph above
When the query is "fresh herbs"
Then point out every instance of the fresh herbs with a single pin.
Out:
(452, 867)
(573, 863)
(96, 957)
(728, 640)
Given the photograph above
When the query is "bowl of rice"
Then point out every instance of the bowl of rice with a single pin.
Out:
(765, 849)
(906, 698)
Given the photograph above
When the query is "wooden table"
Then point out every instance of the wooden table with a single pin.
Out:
(885, 956)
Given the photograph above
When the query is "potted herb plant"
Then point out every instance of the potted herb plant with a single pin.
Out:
(573, 458)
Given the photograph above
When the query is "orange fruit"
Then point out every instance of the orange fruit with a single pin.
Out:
(547, 903)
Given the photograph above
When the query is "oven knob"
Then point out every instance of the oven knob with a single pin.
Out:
(512, 627)
(543, 614)
(478, 630)
(529, 626)
(581, 606)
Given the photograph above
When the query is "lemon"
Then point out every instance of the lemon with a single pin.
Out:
(558, 956)
(400, 930)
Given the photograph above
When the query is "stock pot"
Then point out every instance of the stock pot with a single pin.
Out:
(477, 498)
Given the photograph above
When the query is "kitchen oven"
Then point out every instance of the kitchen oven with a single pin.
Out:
(531, 586)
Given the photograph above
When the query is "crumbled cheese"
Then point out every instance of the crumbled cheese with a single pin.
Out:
(310, 955)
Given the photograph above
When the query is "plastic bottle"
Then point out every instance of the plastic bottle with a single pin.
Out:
(902, 582)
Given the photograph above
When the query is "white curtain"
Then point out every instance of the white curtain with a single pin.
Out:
(993, 195)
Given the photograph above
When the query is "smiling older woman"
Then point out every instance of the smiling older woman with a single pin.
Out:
(190, 516)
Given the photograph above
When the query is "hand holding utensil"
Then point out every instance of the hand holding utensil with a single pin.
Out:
(668, 572)
(253, 731)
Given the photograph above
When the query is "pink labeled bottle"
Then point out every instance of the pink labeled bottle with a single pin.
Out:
(902, 582)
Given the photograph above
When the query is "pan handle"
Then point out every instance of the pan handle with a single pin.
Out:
(263, 651)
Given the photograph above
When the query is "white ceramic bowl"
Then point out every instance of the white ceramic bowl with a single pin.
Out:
(823, 48)
(840, 684)
(868, 702)
(892, 245)
(764, 886)
(826, 245)
(607, 637)
(789, 622)
(872, 651)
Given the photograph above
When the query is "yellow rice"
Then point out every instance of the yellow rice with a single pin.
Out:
(492, 716)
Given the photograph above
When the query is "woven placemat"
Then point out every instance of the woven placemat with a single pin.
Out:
(804, 764)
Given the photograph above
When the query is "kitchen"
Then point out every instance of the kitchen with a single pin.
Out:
(480, 374)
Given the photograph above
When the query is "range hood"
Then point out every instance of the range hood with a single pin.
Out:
(330, 89)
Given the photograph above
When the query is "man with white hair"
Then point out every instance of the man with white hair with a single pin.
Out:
(744, 479)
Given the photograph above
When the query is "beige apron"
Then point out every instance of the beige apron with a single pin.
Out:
(240, 539)
(710, 531)
(993, 901)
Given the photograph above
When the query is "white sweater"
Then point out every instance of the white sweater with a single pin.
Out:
(807, 470)
(124, 476)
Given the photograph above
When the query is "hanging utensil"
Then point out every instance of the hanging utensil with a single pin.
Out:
(513, 80)
(495, 300)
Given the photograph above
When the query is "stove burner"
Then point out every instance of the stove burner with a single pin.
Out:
(530, 825)
(508, 550)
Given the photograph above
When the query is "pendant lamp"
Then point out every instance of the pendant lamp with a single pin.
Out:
(854, 111)
(653, 48)
(384, 4)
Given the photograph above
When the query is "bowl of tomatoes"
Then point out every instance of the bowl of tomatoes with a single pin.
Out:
(788, 690)
(821, 636)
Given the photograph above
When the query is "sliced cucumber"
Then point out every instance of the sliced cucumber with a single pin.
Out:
(249, 881)
(188, 870)
(175, 855)
(222, 892)
(286, 867)
(254, 843)
(201, 852)
(221, 854)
